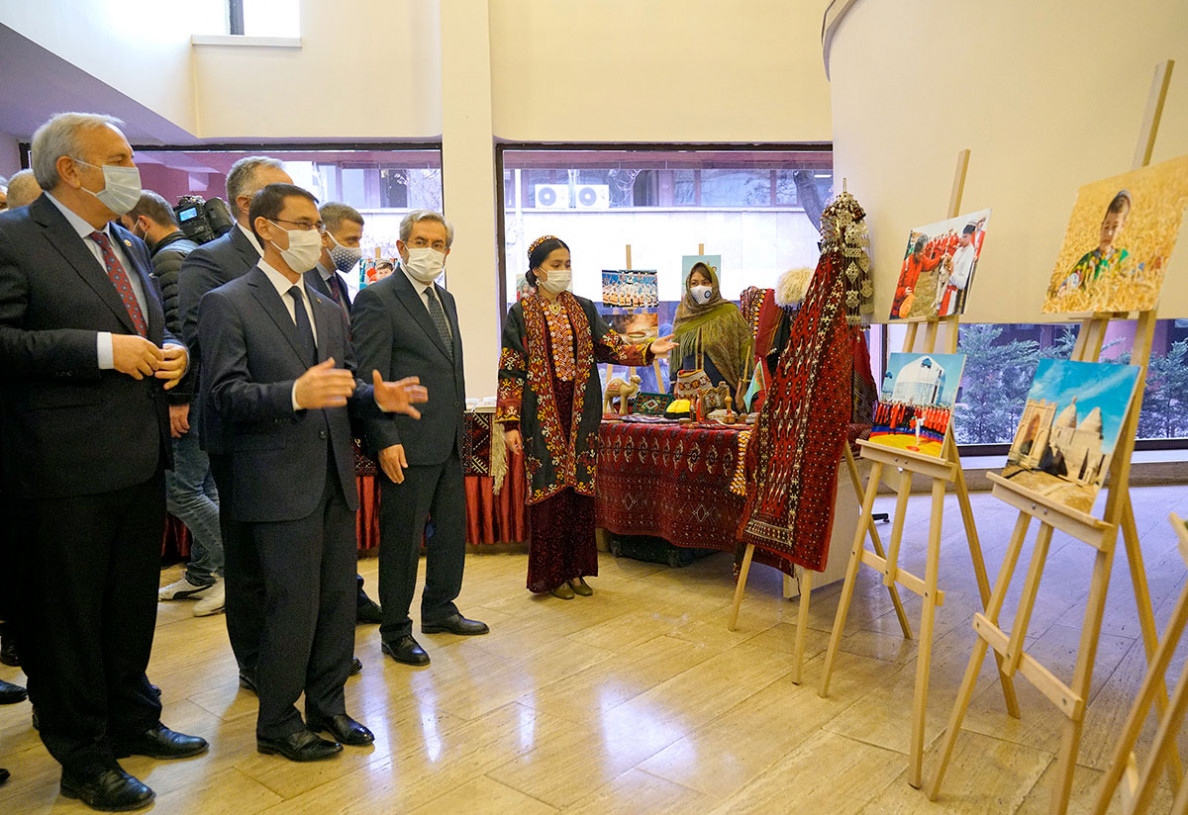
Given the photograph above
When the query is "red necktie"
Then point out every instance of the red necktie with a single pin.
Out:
(119, 278)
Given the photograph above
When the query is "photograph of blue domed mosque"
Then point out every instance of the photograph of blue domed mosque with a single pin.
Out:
(1070, 426)
(916, 401)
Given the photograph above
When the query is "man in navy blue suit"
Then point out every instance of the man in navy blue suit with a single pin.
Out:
(278, 375)
(85, 361)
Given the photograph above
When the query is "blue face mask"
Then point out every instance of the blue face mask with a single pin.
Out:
(121, 187)
(344, 258)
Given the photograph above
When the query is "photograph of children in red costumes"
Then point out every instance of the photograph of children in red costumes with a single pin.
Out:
(916, 402)
(938, 267)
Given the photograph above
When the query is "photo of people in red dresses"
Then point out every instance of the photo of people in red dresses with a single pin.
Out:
(938, 267)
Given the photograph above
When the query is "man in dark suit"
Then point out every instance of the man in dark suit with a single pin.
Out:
(277, 370)
(84, 364)
(208, 267)
(340, 252)
(406, 323)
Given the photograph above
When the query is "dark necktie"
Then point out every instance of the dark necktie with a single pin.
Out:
(304, 329)
(119, 279)
(437, 313)
(335, 285)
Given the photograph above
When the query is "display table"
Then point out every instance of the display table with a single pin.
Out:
(674, 482)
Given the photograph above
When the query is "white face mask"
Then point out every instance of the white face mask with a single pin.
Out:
(344, 258)
(424, 264)
(121, 187)
(702, 294)
(559, 280)
(305, 247)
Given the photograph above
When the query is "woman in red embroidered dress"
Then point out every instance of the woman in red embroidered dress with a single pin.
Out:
(550, 406)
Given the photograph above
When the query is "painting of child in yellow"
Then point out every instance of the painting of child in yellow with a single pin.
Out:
(1107, 255)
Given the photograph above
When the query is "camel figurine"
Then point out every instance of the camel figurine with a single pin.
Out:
(623, 391)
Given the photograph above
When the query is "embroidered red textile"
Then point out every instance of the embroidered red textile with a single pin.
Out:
(672, 482)
(797, 443)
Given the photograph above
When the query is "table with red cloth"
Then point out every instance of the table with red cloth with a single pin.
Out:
(490, 518)
(672, 481)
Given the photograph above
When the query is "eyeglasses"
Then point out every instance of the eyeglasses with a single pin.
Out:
(305, 225)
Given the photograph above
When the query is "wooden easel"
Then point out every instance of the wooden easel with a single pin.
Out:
(942, 471)
(610, 368)
(1139, 786)
(1100, 534)
(866, 524)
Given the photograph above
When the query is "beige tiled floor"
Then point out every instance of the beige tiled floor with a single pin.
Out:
(638, 700)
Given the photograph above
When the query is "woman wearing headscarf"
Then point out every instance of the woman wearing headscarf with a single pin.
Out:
(711, 325)
(550, 406)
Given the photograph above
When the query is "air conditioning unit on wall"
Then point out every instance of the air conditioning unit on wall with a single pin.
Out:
(592, 196)
(552, 196)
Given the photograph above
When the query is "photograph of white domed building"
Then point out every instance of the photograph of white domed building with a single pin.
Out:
(1066, 438)
(916, 401)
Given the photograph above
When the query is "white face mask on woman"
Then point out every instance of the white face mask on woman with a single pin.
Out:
(559, 280)
(701, 294)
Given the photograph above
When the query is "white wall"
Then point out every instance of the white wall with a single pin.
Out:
(142, 51)
(662, 70)
(1047, 96)
(367, 69)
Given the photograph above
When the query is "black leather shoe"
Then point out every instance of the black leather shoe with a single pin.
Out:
(345, 729)
(8, 652)
(155, 689)
(10, 694)
(3, 777)
(455, 624)
(369, 612)
(108, 790)
(356, 666)
(407, 650)
(160, 742)
(247, 683)
(304, 745)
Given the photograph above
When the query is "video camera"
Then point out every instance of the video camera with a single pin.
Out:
(202, 221)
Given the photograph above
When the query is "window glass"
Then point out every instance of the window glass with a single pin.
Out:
(383, 184)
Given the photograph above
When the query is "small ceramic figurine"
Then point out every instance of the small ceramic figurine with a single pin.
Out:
(617, 388)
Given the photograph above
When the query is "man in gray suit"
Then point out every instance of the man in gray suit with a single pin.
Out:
(406, 325)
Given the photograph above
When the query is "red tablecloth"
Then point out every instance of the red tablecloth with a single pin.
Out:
(672, 482)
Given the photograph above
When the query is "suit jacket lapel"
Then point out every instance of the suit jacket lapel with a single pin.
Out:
(270, 299)
(346, 293)
(322, 326)
(411, 299)
(61, 235)
(242, 245)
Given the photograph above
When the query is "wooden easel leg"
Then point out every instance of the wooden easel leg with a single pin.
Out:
(806, 591)
(1152, 684)
(1164, 746)
(1039, 557)
(843, 603)
(1070, 743)
(1146, 615)
(979, 566)
(741, 586)
(927, 621)
(891, 569)
(993, 609)
(877, 542)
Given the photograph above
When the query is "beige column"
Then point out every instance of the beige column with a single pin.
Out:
(469, 184)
